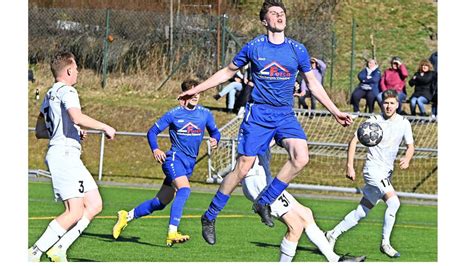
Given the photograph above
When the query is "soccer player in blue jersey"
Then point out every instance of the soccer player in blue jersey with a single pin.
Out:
(275, 62)
(187, 124)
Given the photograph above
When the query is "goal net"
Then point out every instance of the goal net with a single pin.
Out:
(327, 144)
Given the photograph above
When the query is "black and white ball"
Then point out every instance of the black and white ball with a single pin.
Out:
(369, 134)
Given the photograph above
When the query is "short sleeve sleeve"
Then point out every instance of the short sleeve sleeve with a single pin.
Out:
(70, 98)
(242, 58)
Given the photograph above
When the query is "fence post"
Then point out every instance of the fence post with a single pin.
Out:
(352, 55)
(223, 46)
(106, 49)
(101, 156)
(333, 60)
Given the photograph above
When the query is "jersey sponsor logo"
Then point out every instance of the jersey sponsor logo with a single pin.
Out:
(274, 71)
(189, 129)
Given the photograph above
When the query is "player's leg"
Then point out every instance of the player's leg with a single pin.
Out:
(350, 220)
(293, 234)
(230, 182)
(393, 203)
(182, 194)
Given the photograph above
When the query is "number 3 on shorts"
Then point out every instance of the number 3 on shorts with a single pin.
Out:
(81, 186)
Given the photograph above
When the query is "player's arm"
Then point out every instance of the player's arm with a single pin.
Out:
(318, 91)
(351, 150)
(41, 131)
(219, 77)
(84, 120)
(215, 135)
(405, 160)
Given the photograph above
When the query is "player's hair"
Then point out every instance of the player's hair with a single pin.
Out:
(60, 61)
(425, 62)
(269, 3)
(188, 84)
(390, 93)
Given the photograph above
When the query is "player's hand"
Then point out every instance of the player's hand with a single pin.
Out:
(213, 143)
(83, 134)
(159, 156)
(187, 94)
(350, 173)
(344, 119)
(404, 163)
(109, 132)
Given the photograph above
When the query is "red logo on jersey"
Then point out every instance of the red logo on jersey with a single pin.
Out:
(190, 129)
(275, 70)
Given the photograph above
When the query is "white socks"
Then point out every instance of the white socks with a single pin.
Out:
(73, 233)
(172, 228)
(351, 220)
(51, 235)
(130, 215)
(317, 237)
(287, 250)
(393, 203)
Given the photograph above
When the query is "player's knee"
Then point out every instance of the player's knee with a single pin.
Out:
(307, 215)
(295, 231)
(300, 161)
(361, 212)
(393, 203)
(95, 208)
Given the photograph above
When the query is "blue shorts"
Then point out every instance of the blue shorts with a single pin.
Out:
(177, 164)
(262, 122)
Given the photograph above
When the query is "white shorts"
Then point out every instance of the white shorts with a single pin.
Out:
(253, 185)
(70, 177)
(377, 184)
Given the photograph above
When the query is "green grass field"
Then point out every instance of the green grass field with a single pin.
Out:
(240, 235)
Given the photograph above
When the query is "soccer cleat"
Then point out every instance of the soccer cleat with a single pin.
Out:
(33, 256)
(389, 251)
(120, 224)
(208, 230)
(56, 254)
(330, 238)
(349, 258)
(176, 237)
(264, 212)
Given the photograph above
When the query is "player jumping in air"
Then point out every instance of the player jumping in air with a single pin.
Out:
(59, 120)
(187, 124)
(275, 61)
(378, 170)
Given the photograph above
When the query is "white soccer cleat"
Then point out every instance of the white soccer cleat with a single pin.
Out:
(331, 239)
(389, 251)
(33, 256)
(56, 254)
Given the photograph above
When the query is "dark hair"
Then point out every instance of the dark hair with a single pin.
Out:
(60, 61)
(269, 3)
(390, 93)
(188, 84)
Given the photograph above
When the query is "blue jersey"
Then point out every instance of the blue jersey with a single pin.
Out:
(274, 68)
(186, 129)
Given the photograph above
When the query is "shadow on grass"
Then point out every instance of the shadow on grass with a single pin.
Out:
(109, 238)
(299, 248)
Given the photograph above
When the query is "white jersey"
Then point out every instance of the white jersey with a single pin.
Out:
(61, 129)
(382, 156)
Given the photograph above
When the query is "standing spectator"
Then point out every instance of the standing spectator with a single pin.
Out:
(434, 101)
(318, 67)
(368, 88)
(394, 78)
(422, 80)
(301, 95)
(59, 120)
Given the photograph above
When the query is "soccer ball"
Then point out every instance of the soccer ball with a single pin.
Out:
(369, 134)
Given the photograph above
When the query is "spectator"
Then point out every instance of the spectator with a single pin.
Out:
(244, 95)
(368, 88)
(232, 89)
(434, 101)
(319, 69)
(422, 80)
(31, 77)
(394, 78)
(301, 95)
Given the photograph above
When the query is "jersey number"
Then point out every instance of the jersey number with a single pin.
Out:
(284, 200)
(81, 186)
(386, 182)
(48, 121)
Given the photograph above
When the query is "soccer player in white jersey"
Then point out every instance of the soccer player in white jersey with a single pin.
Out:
(293, 214)
(59, 120)
(378, 170)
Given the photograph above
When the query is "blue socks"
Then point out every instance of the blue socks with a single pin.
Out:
(148, 207)
(272, 192)
(178, 205)
(218, 203)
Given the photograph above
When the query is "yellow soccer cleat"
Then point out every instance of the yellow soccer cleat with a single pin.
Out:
(121, 223)
(56, 254)
(176, 237)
